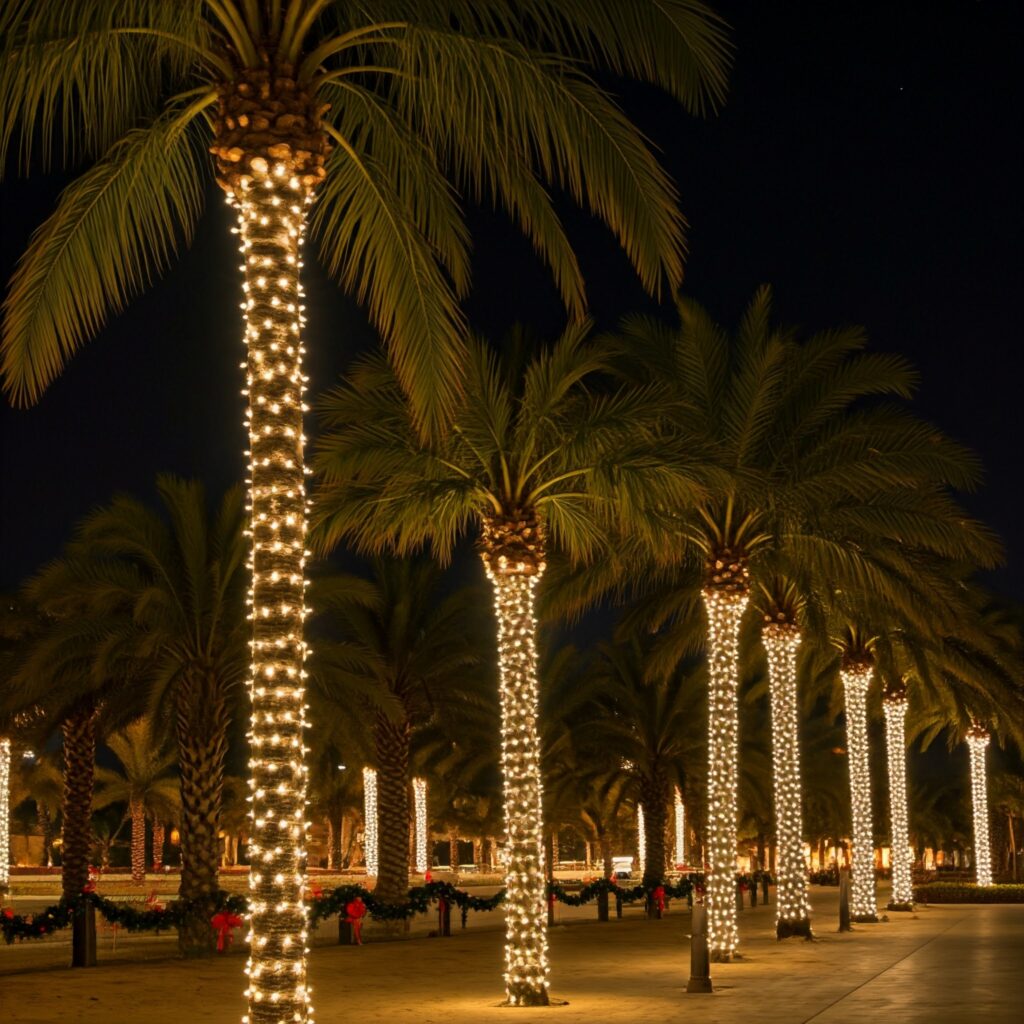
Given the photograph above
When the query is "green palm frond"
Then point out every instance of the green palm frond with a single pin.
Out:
(114, 230)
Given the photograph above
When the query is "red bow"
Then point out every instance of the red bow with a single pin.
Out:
(354, 914)
(223, 923)
(8, 913)
(659, 897)
(152, 902)
(427, 877)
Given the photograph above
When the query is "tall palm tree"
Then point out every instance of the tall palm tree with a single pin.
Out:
(384, 108)
(394, 643)
(852, 501)
(540, 457)
(145, 782)
(177, 577)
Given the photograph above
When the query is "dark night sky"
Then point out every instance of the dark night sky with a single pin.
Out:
(867, 165)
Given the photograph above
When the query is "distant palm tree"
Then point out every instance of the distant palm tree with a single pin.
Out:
(540, 457)
(145, 782)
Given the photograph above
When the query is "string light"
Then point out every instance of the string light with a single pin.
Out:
(856, 678)
(641, 840)
(977, 743)
(680, 822)
(5, 812)
(793, 917)
(370, 849)
(725, 611)
(419, 789)
(526, 948)
(271, 203)
(895, 707)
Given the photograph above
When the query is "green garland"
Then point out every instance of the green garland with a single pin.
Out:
(419, 899)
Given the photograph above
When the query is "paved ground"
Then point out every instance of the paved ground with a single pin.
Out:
(951, 964)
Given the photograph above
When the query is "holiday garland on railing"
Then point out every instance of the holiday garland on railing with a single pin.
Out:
(323, 905)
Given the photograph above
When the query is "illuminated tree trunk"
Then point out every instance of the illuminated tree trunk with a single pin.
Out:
(370, 820)
(78, 731)
(781, 643)
(513, 558)
(895, 705)
(680, 828)
(977, 743)
(392, 746)
(158, 846)
(641, 840)
(5, 813)
(138, 815)
(856, 679)
(725, 612)
(419, 787)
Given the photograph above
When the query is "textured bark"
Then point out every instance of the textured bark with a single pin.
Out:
(158, 845)
(607, 867)
(654, 795)
(46, 827)
(138, 814)
(79, 735)
(201, 726)
(453, 850)
(391, 740)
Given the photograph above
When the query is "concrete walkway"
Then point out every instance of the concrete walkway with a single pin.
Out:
(955, 964)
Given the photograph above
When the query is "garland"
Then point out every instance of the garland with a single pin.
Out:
(158, 918)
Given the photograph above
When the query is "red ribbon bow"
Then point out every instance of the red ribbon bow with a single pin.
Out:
(8, 913)
(152, 902)
(223, 923)
(354, 914)
(659, 897)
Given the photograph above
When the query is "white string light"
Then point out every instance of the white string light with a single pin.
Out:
(680, 822)
(856, 680)
(725, 612)
(271, 203)
(977, 743)
(526, 944)
(5, 812)
(419, 789)
(793, 910)
(641, 840)
(370, 849)
(895, 706)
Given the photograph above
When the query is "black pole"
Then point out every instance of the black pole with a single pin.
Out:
(844, 902)
(602, 906)
(700, 959)
(83, 936)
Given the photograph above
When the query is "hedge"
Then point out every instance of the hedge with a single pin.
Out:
(959, 892)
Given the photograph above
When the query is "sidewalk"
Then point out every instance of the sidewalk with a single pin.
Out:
(952, 963)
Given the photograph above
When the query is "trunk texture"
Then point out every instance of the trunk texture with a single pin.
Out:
(5, 815)
(46, 827)
(158, 846)
(513, 558)
(607, 867)
(977, 742)
(201, 726)
(79, 734)
(725, 606)
(453, 850)
(793, 908)
(138, 814)
(654, 795)
(392, 745)
(896, 751)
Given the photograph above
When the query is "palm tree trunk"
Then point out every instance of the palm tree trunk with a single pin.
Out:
(856, 679)
(514, 582)
(654, 797)
(46, 827)
(202, 726)
(453, 850)
(896, 749)
(158, 846)
(79, 735)
(1013, 847)
(977, 742)
(392, 745)
(138, 814)
(725, 612)
(793, 908)
(607, 867)
(5, 815)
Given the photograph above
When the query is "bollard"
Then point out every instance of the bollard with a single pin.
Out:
(618, 905)
(765, 881)
(700, 959)
(346, 933)
(844, 902)
(753, 891)
(83, 936)
(444, 919)
(551, 910)
(602, 906)
(739, 896)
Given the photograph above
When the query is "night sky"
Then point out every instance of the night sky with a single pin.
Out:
(867, 164)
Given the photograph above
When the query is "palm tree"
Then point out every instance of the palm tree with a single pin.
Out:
(382, 107)
(540, 457)
(395, 644)
(176, 577)
(852, 501)
(144, 782)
